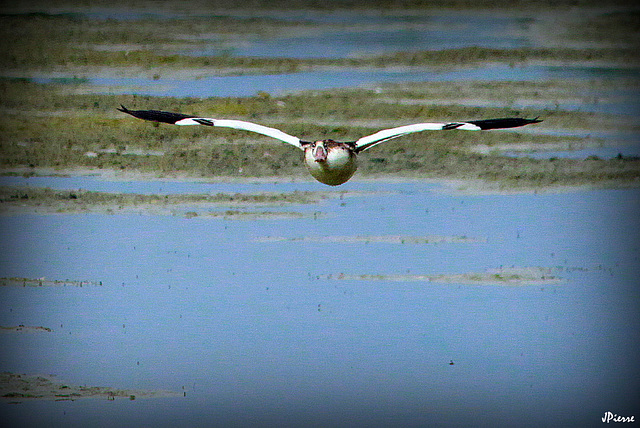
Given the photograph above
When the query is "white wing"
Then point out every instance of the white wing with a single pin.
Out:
(183, 119)
(369, 141)
(363, 143)
(245, 126)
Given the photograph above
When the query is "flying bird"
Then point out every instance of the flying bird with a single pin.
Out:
(330, 162)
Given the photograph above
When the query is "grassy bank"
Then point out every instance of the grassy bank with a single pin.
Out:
(79, 43)
(62, 125)
(46, 126)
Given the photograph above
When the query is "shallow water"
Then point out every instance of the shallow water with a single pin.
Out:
(355, 44)
(616, 144)
(366, 32)
(384, 34)
(632, 150)
(604, 144)
(279, 84)
(252, 334)
(162, 187)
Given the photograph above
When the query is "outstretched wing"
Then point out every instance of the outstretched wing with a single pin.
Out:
(185, 119)
(369, 141)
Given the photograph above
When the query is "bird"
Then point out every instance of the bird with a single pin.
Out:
(328, 161)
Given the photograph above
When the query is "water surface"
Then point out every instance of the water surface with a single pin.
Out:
(279, 84)
(374, 35)
(252, 334)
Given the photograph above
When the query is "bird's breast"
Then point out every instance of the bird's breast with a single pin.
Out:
(339, 166)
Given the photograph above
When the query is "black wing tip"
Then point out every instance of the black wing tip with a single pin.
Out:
(157, 115)
(201, 121)
(504, 122)
(452, 125)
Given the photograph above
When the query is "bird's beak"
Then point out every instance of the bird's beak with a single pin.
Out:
(319, 153)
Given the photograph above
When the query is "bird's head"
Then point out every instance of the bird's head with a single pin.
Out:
(319, 150)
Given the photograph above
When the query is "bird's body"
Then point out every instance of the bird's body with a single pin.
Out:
(330, 162)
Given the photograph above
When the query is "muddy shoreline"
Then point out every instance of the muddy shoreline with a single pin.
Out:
(17, 388)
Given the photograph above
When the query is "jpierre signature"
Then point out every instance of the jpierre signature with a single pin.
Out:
(613, 417)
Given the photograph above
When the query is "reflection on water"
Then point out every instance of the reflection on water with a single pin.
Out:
(252, 334)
